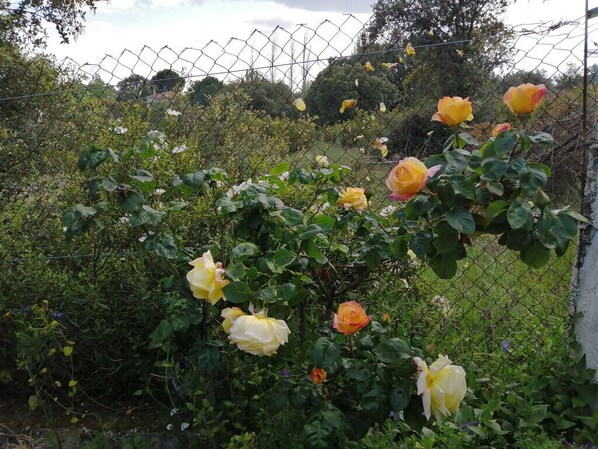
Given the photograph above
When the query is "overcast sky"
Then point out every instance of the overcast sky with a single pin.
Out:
(178, 24)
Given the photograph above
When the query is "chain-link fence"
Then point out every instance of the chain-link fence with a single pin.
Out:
(239, 106)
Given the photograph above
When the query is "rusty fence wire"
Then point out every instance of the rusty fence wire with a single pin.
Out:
(232, 105)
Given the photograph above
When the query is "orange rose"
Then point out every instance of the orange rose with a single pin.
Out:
(350, 318)
(453, 111)
(318, 375)
(525, 98)
(408, 178)
(500, 128)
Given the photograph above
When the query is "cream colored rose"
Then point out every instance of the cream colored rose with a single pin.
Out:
(442, 386)
(206, 279)
(230, 315)
(259, 335)
(352, 198)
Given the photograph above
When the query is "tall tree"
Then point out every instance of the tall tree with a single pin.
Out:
(342, 81)
(133, 87)
(202, 90)
(459, 42)
(23, 21)
(167, 80)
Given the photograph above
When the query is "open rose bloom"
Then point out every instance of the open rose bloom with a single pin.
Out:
(525, 98)
(206, 279)
(350, 318)
(353, 198)
(318, 375)
(453, 111)
(230, 315)
(442, 386)
(257, 334)
(409, 177)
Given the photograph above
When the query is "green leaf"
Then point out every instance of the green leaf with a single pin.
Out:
(85, 211)
(92, 157)
(535, 254)
(237, 292)
(287, 291)
(146, 181)
(463, 186)
(33, 402)
(146, 148)
(543, 138)
(487, 150)
(400, 397)
(161, 333)
(165, 246)
(495, 208)
(146, 215)
(205, 357)
(245, 249)
(282, 257)
(456, 161)
(325, 222)
(311, 231)
(444, 265)
(538, 413)
(533, 178)
(447, 237)
(496, 188)
(445, 193)
(109, 184)
(194, 180)
(292, 216)
(469, 139)
(393, 350)
(505, 142)
(519, 216)
(280, 168)
(236, 270)
(129, 200)
(462, 221)
(325, 353)
(494, 169)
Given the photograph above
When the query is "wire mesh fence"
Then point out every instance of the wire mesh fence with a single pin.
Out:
(238, 106)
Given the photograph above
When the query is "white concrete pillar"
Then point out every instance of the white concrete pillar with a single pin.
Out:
(585, 279)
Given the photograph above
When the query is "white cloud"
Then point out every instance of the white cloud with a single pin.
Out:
(271, 22)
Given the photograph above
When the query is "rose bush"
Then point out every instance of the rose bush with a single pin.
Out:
(295, 259)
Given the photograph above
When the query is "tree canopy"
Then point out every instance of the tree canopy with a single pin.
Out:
(202, 90)
(340, 82)
(133, 87)
(23, 21)
(167, 80)
(459, 42)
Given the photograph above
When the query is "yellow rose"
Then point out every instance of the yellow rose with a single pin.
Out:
(453, 111)
(347, 104)
(442, 386)
(259, 335)
(408, 178)
(350, 318)
(206, 279)
(352, 198)
(500, 128)
(525, 98)
(230, 315)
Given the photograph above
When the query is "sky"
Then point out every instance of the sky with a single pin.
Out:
(146, 26)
